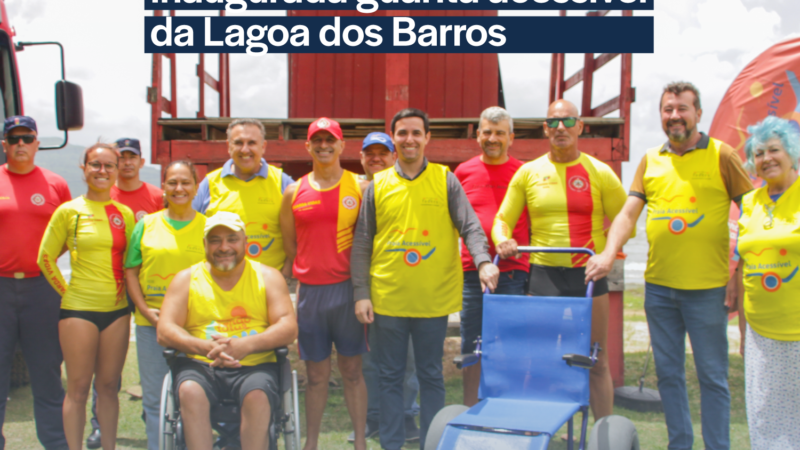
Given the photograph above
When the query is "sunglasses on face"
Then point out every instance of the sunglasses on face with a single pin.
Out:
(26, 138)
(569, 122)
(96, 166)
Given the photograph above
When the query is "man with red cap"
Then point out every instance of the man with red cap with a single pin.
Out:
(318, 217)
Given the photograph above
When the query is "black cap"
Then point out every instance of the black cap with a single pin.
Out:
(129, 145)
(18, 121)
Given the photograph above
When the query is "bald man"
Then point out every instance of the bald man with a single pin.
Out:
(568, 195)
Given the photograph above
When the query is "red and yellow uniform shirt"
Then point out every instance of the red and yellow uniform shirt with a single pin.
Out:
(769, 245)
(258, 204)
(567, 206)
(325, 221)
(237, 313)
(143, 201)
(26, 204)
(416, 269)
(486, 186)
(688, 205)
(96, 235)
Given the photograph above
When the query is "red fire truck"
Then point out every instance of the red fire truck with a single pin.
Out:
(364, 91)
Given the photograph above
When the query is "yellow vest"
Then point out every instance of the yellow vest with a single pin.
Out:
(771, 258)
(416, 265)
(165, 252)
(240, 312)
(687, 219)
(258, 203)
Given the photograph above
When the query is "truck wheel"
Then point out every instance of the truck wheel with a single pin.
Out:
(613, 433)
(440, 420)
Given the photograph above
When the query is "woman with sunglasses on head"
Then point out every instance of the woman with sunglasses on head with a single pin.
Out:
(769, 311)
(94, 326)
(162, 244)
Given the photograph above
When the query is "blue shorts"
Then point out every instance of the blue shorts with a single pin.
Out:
(512, 282)
(326, 315)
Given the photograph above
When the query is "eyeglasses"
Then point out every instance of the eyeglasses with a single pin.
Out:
(96, 166)
(569, 122)
(768, 221)
(26, 138)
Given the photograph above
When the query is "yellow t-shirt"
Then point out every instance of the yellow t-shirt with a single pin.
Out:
(165, 252)
(96, 234)
(240, 312)
(416, 264)
(258, 203)
(567, 204)
(688, 206)
(771, 257)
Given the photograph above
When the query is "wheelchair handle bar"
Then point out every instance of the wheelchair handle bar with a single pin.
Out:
(590, 252)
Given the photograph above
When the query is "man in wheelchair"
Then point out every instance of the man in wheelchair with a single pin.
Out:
(227, 314)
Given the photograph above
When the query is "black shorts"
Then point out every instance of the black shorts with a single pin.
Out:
(549, 281)
(101, 319)
(233, 384)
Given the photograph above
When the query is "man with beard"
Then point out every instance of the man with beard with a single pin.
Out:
(405, 264)
(688, 184)
(485, 179)
(227, 314)
(318, 217)
(377, 154)
(569, 194)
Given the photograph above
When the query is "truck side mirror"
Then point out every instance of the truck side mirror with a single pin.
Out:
(69, 106)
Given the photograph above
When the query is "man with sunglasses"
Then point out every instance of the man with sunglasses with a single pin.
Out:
(29, 307)
(568, 194)
(688, 184)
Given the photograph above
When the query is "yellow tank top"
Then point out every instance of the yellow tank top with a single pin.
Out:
(771, 257)
(240, 312)
(687, 219)
(165, 252)
(416, 264)
(258, 203)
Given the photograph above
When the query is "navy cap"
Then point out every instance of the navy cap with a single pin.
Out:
(129, 145)
(18, 121)
(377, 137)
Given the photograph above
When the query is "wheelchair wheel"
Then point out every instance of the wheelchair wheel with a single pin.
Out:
(613, 433)
(291, 409)
(168, 438)
(440, 420)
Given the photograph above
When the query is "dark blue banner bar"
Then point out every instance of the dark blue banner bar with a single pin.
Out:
(368, 6)
(462, 34)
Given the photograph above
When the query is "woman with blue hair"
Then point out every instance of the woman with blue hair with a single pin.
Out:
(769, 286)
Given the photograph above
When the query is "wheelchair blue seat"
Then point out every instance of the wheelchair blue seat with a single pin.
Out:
(518, 415)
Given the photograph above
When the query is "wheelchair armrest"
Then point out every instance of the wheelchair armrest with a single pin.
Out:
(465, 360)
(171, 355)
(281, 353)
(584, 362)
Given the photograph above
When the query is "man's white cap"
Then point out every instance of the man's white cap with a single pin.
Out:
(226, 219)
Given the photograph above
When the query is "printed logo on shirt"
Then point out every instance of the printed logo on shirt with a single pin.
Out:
(432, 201)
(770, 280)
(193, 248)
(140, 215)
(37, 199)
(410, 249)
(701, 175)
(578, 183)
(235, 327)
(116, 221)
(266, 201)
(349, 202)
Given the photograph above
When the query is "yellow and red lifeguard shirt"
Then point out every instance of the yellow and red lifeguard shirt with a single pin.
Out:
(567, 205)
(688, 204)
(237, 313)
(96, 235)
(769, 245)
(415, 265)
(325, 221)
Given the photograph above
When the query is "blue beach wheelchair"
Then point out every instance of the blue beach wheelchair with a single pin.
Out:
(535, 355)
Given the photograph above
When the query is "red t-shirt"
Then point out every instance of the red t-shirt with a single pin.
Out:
(486, 185)
(26, 204)
(143, 201)
(325, 222)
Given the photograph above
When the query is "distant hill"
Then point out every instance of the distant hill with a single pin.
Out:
(65, 162)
